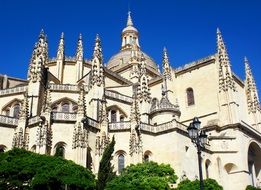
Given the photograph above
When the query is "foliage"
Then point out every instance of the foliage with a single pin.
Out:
(209, 184)
(144, 176)
(21, 169)
(105, 173)
(250, 187)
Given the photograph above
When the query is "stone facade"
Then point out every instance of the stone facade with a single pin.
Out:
(77, 106)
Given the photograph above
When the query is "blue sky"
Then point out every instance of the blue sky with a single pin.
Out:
(186, 27)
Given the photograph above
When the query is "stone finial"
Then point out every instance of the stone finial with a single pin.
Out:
(79, 51)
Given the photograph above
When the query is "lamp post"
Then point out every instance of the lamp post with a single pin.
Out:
(199, 138)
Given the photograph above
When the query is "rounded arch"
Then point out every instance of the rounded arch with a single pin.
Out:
(254, 162)
(116, 114)
(230, 167)
(12, 108)
(12, 102)
(116, 107)
(2, 148)
(64, 104)
(147, 156)
(64, 99)
(60, 149)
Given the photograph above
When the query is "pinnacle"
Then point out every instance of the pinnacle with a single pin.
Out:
(62, 35)
(97, 37)
(218, 31)
(129, 21)
(80, 36)
(41, 35)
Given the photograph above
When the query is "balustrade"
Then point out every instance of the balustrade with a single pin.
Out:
(14, 90)
(8, 120)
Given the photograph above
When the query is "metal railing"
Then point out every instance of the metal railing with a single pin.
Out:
(14, 90)
(8, 120)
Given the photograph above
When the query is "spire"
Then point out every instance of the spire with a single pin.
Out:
(79, 51)
(60, 51)
(97, 63)
(129, 21)
(39, 58)
(226, 80)
(166, 65)
(251, 90)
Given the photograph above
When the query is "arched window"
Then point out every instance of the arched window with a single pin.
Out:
(207, 163)
(65, 108)
(146, 158)
(2, 148)
(60, 149)
(121, 162)
(16, 110)
(121, 118)
(113, 116)
(190, 97)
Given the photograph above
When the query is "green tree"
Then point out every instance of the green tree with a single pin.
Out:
(105, 173)
(144, 176)
(250, 187)
(209, 184)
(21, 169)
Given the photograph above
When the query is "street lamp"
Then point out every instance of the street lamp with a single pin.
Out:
(199, 138)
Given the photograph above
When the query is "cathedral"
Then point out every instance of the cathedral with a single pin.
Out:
(74, 106)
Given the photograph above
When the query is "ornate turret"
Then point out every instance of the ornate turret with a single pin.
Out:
(164, 107)
(251, 90)
(130, 35)
(39, 59)
(226, 80)
(97, 64)
(166, 65)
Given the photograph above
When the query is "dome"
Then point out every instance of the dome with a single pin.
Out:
(129, 28)
(124, 57)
